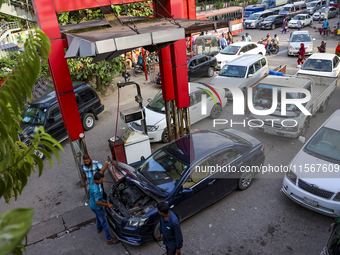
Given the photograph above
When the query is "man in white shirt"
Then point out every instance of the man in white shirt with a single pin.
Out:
(248, 37)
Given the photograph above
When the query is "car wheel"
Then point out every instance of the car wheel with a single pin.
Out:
(165, 136)
(156, 231)
(215, 111)
(304, 128)
(210, 72)
(88, 121)
(245, 180)
(260, 53)
(39, 153)
(273, 26)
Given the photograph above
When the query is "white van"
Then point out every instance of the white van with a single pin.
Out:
(293, 9)
(315, 6)
(241, 72)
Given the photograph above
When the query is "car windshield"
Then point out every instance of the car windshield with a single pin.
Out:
(263, 97)
(325, 144)
(157, 104)
(270, 18)
(254, 16)
(34, 115)
(246, 14)
(320, 65)
(298, 17)
(311, 4)
(323, 10)
(230, 50)
(285, 9)
(233, 71)
(301, 38)
(163, 168)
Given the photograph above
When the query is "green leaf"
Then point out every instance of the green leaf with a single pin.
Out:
(14, 225)
(2, 186)
(39, 162)
(23, 177)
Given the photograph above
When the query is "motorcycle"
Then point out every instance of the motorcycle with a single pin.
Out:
(274, 48)
(138, 69)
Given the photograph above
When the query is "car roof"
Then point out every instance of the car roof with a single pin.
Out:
(241, 43)
(197, 56)
(302, 14)
(194, 146)
(333, 121)
(315, 1)
(50, 98)
(266, 11)
(328, 56)
(245, 59)
(300, 32)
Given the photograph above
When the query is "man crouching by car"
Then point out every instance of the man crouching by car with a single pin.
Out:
(170, 229)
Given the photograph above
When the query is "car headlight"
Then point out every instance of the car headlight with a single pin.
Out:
(135, 222)
(291, 176)
(337, 197)
(152, 128)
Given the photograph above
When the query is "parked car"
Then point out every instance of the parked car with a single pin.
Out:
(295, 40)
(314, 6)
(272, 22)
(241, 72)
(178, 173)
(306, 20)
(314, 189)
(256, 18)
(45, 112)
(155, 110)
(321, 64)
(201, 65)
(237, 49)
(320, 15)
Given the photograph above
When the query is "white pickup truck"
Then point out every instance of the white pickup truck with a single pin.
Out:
(294, 123)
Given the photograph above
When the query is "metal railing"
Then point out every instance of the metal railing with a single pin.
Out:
(8, 26)
(26, 4)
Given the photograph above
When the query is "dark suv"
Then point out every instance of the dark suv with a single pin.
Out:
(45, 112)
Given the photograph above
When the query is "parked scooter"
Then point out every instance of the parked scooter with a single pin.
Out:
(139, 69)
(274, 48)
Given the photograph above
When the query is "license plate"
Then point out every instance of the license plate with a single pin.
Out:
(310, 202)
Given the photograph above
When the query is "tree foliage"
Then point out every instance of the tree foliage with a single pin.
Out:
(18, 160)
(141, 9)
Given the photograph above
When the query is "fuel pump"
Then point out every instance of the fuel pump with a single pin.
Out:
(132, 147)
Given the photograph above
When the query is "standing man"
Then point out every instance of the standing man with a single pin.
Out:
(299, 24)
(90, 167)
(248, 37)
(325, 26)
(223, 42)
(96, 203)
(170, 229)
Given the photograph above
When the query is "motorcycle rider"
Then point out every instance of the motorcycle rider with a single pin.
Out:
(243, 38)
(276, 39)
(267, 42)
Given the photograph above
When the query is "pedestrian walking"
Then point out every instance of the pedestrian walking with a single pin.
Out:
(299, 24)
(284, 26)
(301, 55)
(90, 167)
(248, 37)
(96, 203)
(170, 229)
(325, 26)
(223, 42)
(337, 50)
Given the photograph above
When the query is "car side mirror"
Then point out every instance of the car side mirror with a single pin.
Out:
(302, 139)
(149, 100)
(51, 120)
(142, 158)
(241, 53)
(217, 72)
(186, 191)
(250, 75)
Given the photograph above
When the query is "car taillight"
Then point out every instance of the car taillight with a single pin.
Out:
(263, 148)
(100, 101)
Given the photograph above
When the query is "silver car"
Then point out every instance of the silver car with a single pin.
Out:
(320, 15)
(295, 40)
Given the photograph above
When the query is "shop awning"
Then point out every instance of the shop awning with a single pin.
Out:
(95, 39)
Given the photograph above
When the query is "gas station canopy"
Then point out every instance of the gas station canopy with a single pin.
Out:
(95, 39)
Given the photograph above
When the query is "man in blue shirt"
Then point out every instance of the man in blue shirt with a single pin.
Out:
(223, 42)
(96, 203)
(170, 229)
(325, 26)
(90, 167)
(140, 59)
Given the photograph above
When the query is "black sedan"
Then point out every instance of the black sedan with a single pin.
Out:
(272, 22)
(189, 174)
(198, 66)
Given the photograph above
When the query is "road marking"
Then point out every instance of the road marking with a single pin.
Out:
(280, 53)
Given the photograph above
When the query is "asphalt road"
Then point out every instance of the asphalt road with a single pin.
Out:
(259, 220)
